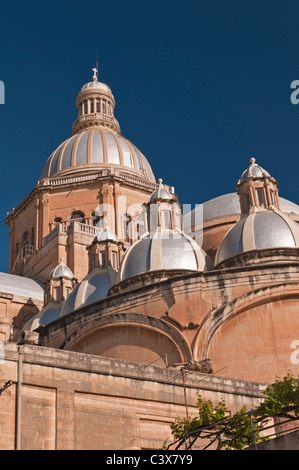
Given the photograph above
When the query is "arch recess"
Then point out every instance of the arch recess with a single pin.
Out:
(131, 336)
(235, 307)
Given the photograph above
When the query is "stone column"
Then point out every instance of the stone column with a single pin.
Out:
(107, 202)
(45, 202)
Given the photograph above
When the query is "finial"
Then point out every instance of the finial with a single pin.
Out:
(160, 181)
(61, 259)
(252, 160)
(95, 74)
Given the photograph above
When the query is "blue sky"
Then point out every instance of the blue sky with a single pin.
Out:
(200, 87)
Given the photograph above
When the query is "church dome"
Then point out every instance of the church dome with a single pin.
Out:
(94, 149)
(161, 192)
(97, 85)
(254, 170)
(61, 270)
(96, 142)
(163, 250)
(257, 231)
(47, 314)
(105, 233)
(94, 287)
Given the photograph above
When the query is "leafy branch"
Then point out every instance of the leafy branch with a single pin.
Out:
(215, 424)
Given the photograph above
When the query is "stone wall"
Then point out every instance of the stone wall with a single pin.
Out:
(69, 400)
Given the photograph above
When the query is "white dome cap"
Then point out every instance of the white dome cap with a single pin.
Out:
(97, 149)
(161, 192)
(47, 314)
(259, 230)
(254, 170)
(105, 233)
(61, 270)
(94, 287)
(164, 250)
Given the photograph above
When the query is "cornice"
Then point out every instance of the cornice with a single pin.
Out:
(51, 184)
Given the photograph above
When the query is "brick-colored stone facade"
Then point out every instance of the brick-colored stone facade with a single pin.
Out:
(111, 196)
(70, 401)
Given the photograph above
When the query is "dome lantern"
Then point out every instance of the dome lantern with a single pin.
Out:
(165, 246)
(257, 190)
(60, 283)
(106, 250)
(262, 225)
(163, 209)
(96, 142)
(104, 253)
(95, 104)
(57, 289)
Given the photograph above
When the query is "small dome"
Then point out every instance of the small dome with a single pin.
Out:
(221, 206)
(61, 270)
(96, 149)
(48, 314)
(21, 286)
(94, 287)
(105, 233)
(160, 192)
(257, 231)
(97, 85)
(254, 170)
(163, 250)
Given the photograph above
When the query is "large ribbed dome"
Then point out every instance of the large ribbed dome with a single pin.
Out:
(96, 141)
(92, 149)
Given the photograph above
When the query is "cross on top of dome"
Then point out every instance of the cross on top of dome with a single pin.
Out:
(95, 74)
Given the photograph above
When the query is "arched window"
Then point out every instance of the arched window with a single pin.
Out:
(104, 106)
(77, 216)
(98, 108)
(91, 106)
(25, 243)
(17, 250)
(85, 107)
(140, 225)
(166, 220)
(272, 198)
(126, 227)
(247, 202)
(114, 260)
(260, 197)
(95, 219)
(33, 237)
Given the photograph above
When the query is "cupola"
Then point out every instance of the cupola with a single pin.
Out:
(96, 142)
(165, 246)
(105, 254)
(106, 250)
(95, 104)
(257, 189)
(163, 209)
(57, 289)
(262, 225)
